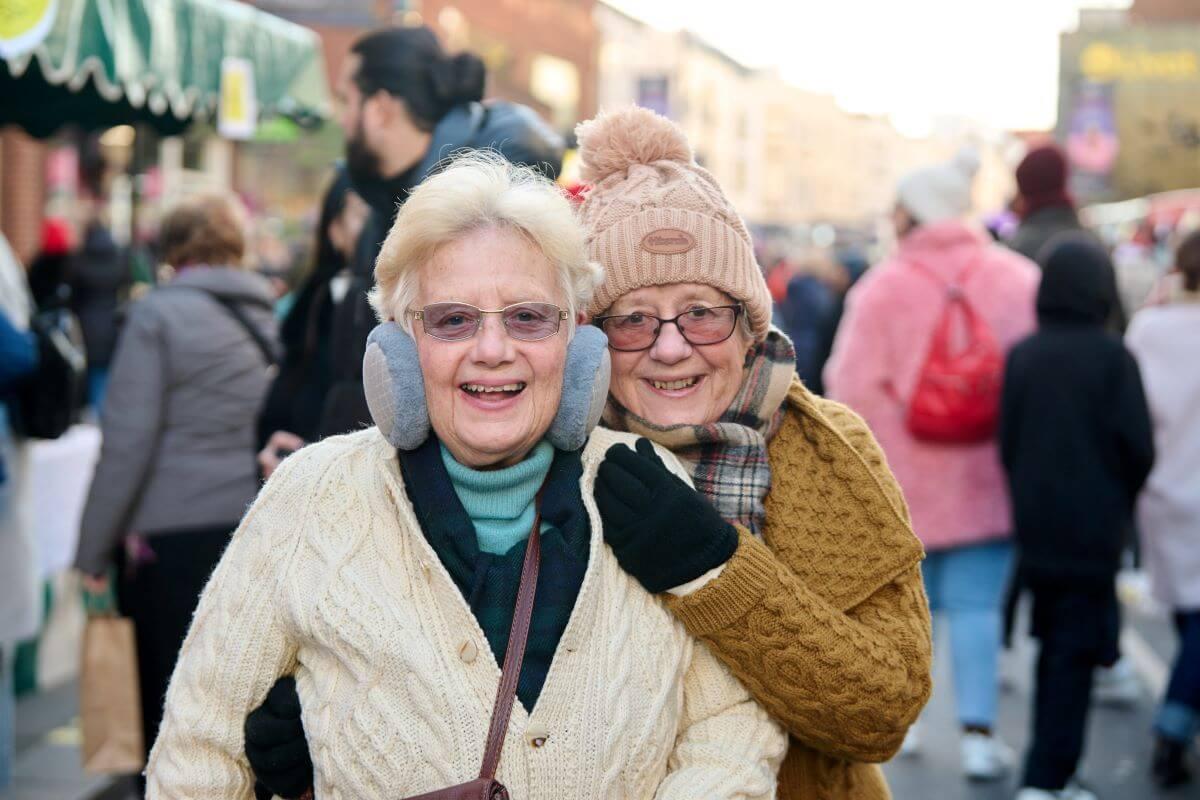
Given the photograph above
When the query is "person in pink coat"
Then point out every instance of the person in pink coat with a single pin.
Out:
(956, 492)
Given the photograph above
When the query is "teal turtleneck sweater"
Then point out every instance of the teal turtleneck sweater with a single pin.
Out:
(500, 502)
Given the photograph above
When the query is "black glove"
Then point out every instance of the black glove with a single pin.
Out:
(275, 744)
(662, 531)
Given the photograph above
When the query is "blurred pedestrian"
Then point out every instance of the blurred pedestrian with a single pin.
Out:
(49, 271)
(291, 413)
(20, 602)
(955, 490)
(1043, 205)
(808, 303)
(1046, 209)
(1076, 444)
(99, 277)
(176, 467)
(853, 265)
(1163, 339)
(406, 106)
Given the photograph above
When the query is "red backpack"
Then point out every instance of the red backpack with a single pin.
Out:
(957, 396)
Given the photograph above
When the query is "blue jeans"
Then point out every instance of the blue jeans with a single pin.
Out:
(97, 386)
(1179, 717)
(969, 585)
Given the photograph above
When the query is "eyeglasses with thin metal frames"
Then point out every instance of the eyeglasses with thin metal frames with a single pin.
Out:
(422, 313)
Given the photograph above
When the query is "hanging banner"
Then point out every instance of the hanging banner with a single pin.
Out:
(24, 24)
(237, 117)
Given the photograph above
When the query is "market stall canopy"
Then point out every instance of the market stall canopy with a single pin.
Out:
(97, 63)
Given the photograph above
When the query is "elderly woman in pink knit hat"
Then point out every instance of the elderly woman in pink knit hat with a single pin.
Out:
(813, 597)
(955, 489)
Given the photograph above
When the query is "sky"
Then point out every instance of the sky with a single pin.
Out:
(992, 61)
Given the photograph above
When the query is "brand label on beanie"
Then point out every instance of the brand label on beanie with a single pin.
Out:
(668, 241)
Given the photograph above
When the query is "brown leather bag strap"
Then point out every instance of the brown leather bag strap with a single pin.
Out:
(515, 653)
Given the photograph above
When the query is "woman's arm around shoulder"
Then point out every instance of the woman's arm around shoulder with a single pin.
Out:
(846, 681)
(239, 643)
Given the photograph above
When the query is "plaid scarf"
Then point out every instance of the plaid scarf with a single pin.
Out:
(727, 459)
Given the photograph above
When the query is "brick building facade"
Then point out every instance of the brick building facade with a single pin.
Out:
(22, 190)
(1158, 11)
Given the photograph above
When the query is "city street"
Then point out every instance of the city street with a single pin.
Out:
(1118, 753)
(307, 305)
(1116, 764)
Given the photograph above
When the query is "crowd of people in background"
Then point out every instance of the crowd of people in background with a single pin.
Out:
(1073, 437)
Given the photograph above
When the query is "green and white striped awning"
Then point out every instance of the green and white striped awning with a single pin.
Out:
(96, 63)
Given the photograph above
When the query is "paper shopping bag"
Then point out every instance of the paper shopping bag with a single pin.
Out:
(110, 706)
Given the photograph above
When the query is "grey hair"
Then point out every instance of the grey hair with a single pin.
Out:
(480, 189)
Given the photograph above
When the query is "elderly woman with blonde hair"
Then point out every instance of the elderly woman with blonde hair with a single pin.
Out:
(382, 569)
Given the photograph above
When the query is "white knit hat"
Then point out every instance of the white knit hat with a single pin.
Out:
(941, 192)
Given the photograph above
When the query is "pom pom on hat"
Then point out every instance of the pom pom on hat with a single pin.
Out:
(967, 161)
(667, 223)
(615, 141)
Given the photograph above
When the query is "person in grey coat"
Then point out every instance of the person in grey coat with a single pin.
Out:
(176, 468)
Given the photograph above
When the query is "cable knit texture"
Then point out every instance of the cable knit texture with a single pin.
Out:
(329, 578)
(825, 620)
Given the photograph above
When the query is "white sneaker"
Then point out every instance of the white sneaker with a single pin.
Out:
(1073, 791)
(985, 758)
(912, 742)
(1117, 685)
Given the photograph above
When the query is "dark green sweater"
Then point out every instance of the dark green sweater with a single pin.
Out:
(489, 582)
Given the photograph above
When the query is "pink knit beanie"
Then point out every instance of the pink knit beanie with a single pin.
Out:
(655, 217)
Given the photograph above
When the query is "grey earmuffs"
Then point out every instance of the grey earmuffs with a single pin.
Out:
(395, 388)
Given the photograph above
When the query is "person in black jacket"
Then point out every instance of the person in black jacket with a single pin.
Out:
(406, 106)
(292, 410)
(1047, 211)
(98, 276)
(1077, 444)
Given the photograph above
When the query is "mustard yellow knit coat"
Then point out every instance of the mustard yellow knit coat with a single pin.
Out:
(825, 619)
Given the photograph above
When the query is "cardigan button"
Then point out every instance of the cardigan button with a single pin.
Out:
(537, 735)
(468, 651)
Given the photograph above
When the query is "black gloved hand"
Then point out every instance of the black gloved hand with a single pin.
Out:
(662, 531)
(275, 743)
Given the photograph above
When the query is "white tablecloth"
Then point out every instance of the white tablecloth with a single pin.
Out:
(60, 472)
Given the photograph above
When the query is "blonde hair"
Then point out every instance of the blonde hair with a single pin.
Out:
(478, 190)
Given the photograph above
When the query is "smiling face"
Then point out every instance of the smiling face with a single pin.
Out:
(676, 383)
(491, 397)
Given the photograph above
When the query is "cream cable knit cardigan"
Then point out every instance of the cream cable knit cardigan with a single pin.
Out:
(328, 577)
